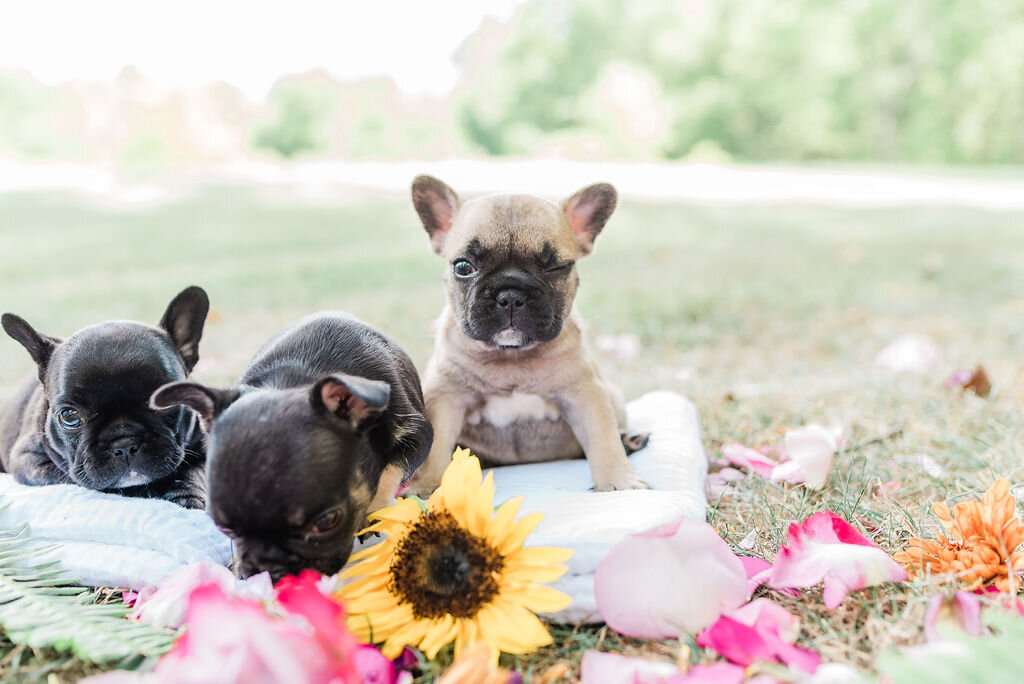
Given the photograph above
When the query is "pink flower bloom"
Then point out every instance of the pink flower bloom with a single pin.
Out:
(674, 578)
(911, 353)
(164, 605)
(827, 548)
(962, 610)
(744, 457)
(234, 641)
(759, 631)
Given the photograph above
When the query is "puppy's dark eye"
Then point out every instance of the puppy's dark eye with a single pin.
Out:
(560, 268)
(463, 268)
(326, 522)
(70, 418)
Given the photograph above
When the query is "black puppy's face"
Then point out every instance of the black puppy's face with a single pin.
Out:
(290, 473)
(511, 277)
(99, 421)
(99, 425)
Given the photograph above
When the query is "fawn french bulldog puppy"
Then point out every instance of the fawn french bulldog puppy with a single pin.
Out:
(511, 376)
(86, 418)
(325, 425)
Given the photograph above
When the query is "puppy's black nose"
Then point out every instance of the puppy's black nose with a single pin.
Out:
(511, 298)
(124, 447)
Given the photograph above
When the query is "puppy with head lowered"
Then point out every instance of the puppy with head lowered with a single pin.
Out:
(327, 422)
(511, 376)
(86, 419)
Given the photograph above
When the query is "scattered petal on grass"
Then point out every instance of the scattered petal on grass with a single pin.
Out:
(912, 353)
(747, 543)
(760, 631)
(674, 578)
(715, 673)
(758, 571)
(810, 451)
(719, 484)
(744, 457)
(827, 548)
(962, 611)
(599, 667)
(970, 380)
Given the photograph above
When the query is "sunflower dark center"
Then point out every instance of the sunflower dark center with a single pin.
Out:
(440, 568)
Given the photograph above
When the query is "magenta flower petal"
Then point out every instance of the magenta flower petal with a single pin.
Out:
(826, 548)
(674, 578)
(759, 631)
(744, 457)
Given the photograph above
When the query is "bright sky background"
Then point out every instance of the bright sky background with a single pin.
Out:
(249, 44)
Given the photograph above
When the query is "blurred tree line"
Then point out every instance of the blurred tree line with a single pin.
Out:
(903, 80)
(922, 81)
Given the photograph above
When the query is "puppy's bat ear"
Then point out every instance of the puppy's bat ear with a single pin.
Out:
(184, 321)
(350, 397)
(436, 203)
(40, 347)
(208, 402)
(587, 211)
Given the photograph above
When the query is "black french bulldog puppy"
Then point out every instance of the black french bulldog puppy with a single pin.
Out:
(86, 419)
(327, 422)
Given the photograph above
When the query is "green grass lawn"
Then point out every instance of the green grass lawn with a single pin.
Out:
(767, 316)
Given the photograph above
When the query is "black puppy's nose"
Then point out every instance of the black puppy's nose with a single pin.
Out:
(124, 447)
(511, 298)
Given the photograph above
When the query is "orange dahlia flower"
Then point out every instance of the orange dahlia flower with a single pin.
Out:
(981, 548)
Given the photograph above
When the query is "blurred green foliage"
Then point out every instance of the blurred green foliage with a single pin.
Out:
(934, 81)
(299, 121)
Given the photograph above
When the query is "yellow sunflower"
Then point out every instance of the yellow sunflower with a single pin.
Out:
(455, 569)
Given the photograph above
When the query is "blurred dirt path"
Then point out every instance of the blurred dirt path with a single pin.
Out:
(689, 182)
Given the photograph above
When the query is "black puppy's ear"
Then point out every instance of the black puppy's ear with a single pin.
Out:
(184, 321)
(588, 210)
(208, 402)
(40, 347)
(436, 203)
(350, 397)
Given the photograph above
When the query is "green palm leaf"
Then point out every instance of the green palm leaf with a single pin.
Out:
(41, 606)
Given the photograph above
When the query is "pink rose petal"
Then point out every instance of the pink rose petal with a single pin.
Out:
(962, 610)
(759, 631)
(827, 548)
(744, 457)
(164, 605)
(911, 353)
(810, 450)
(715, 673)
(675, 578)
(598, 667)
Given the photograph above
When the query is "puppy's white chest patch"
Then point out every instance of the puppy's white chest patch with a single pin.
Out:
(501, 410)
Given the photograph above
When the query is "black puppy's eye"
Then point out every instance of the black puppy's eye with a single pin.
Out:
(327, 521)
(561, 268)
(463, 268)
(70, 418)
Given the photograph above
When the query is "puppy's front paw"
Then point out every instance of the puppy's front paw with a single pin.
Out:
(625, 478)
